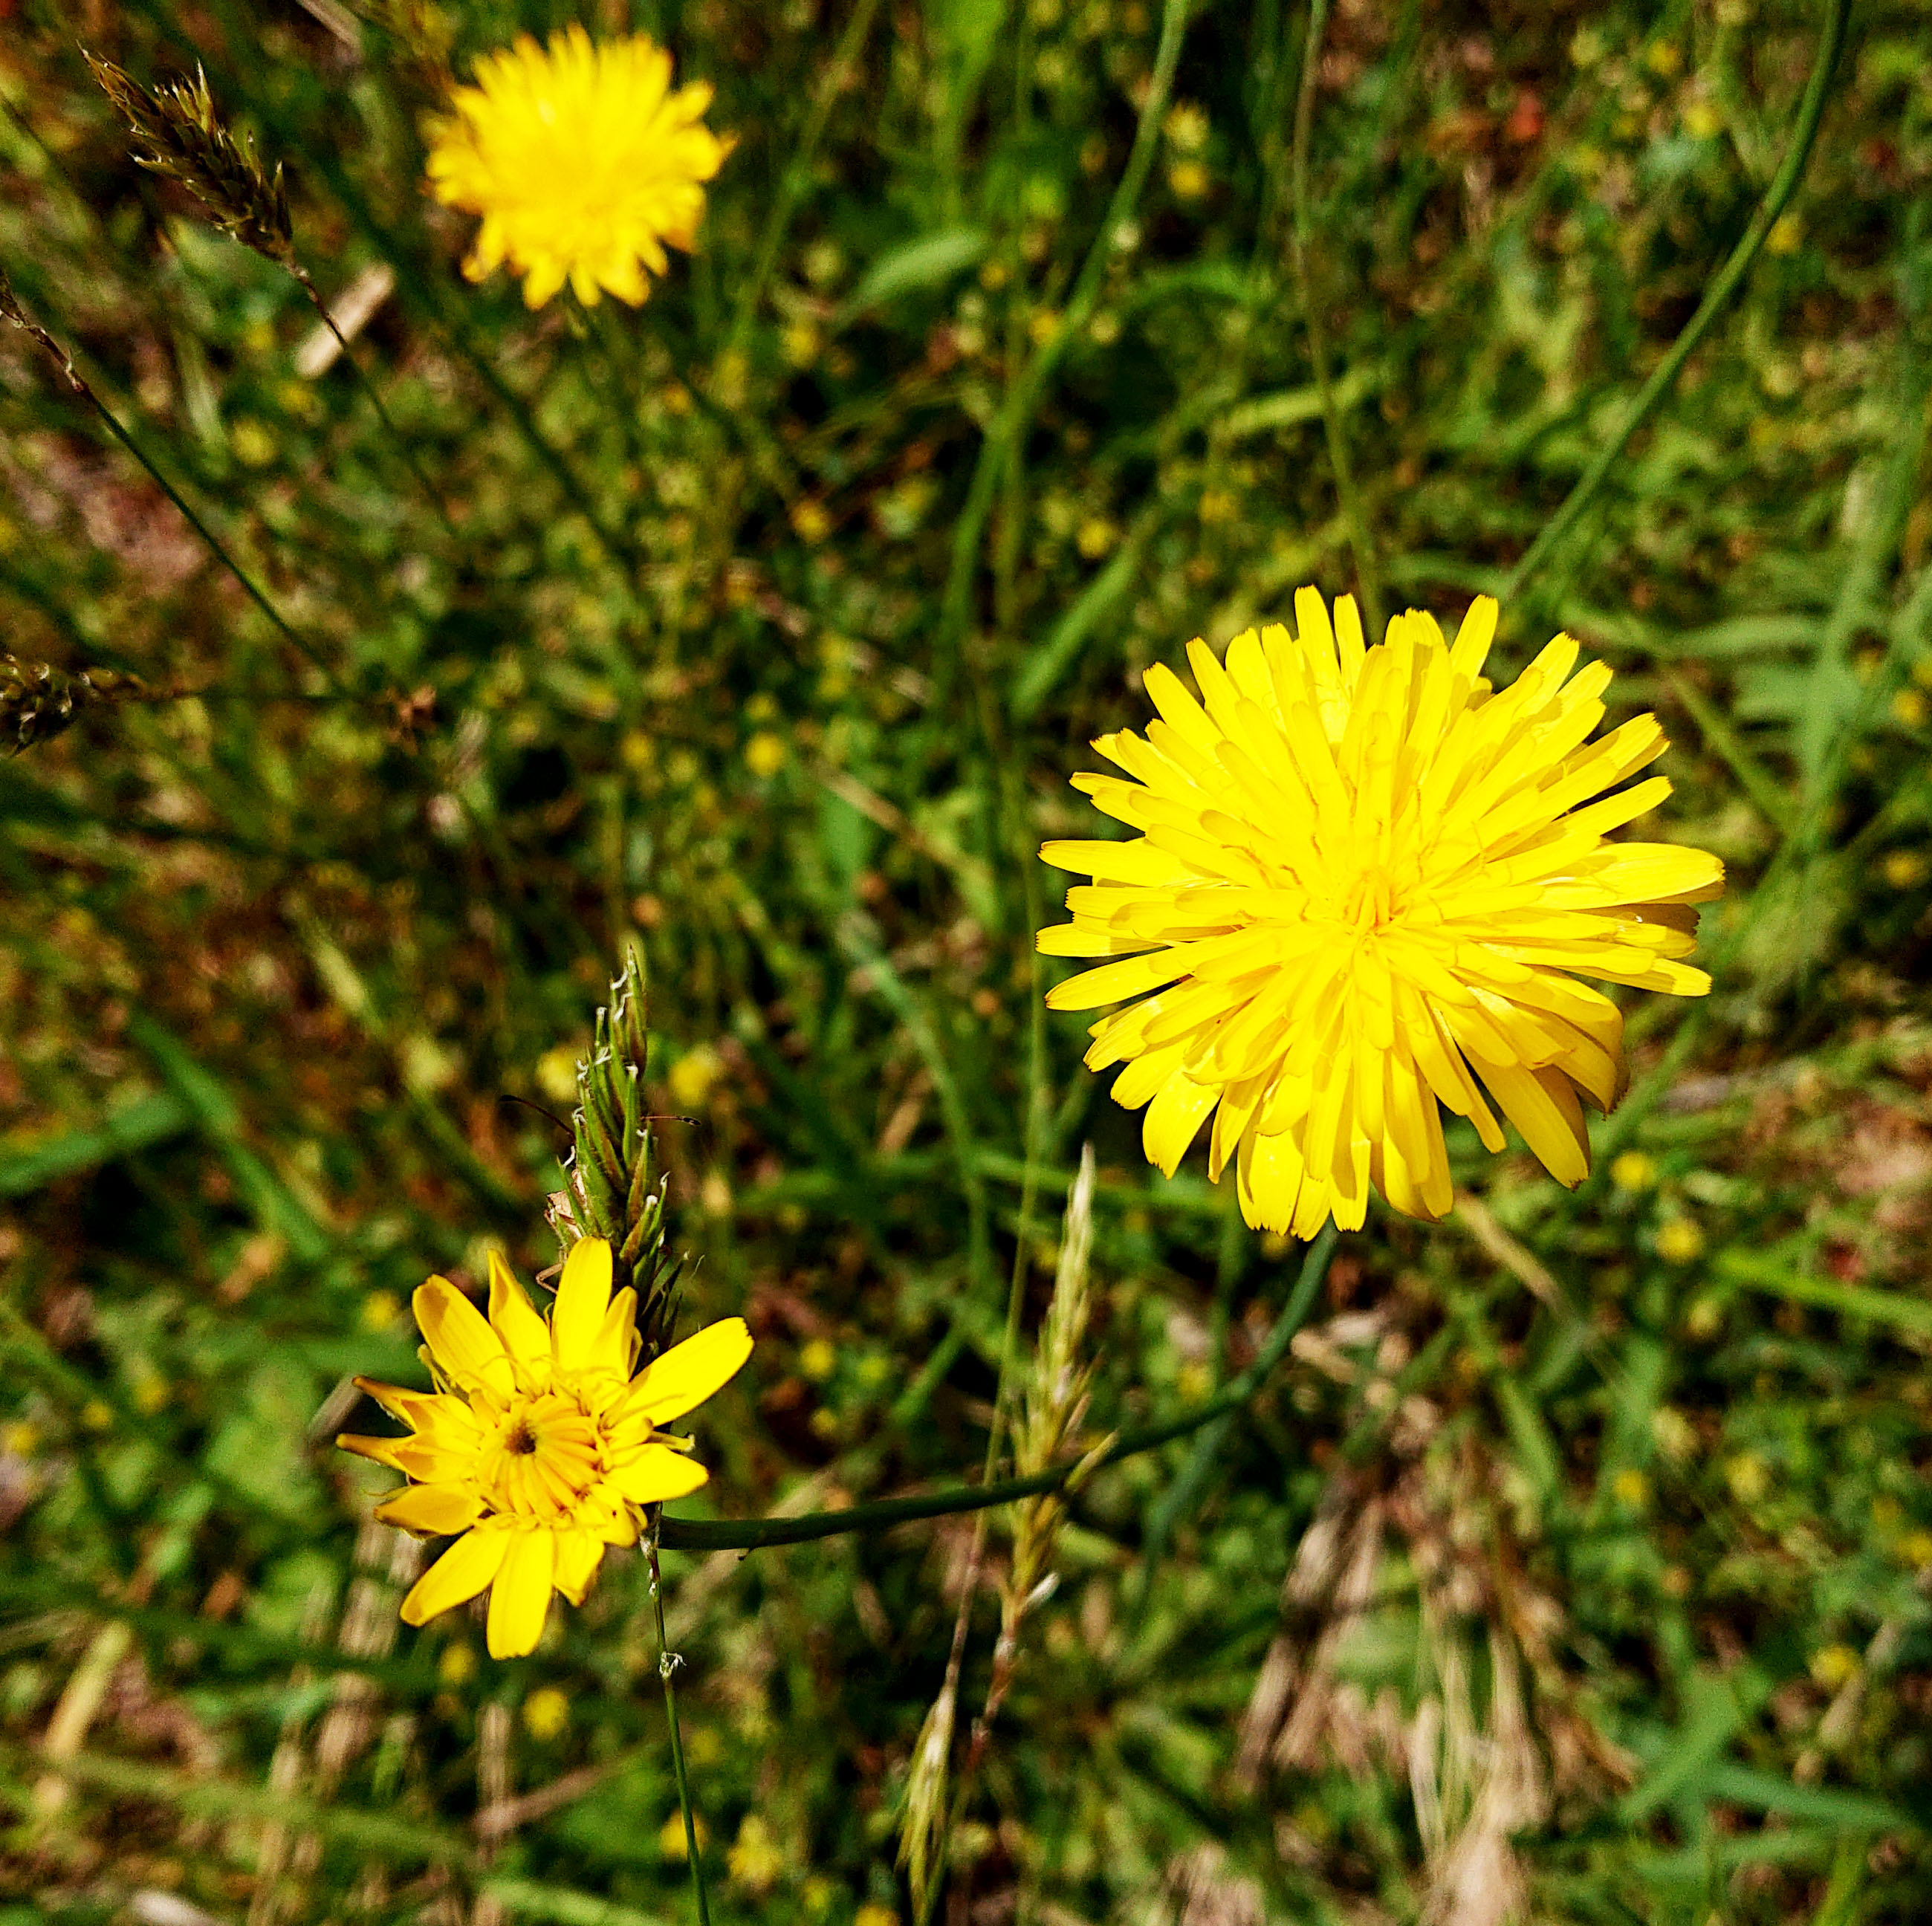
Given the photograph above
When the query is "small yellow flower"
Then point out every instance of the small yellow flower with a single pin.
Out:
(1787, 235)
(765, 754)
(1833, 1665)
(539, 1446)
(818, 1359)
(380, 1310)
(692, 1075)
(754, 1860)
(671, 1841)
(21, 1439)
(582, 162)
(1363, 882)
(1915, 1549)
(1909, 708)
(457, 1665)
(1188, 179)
(1096, 537)
(811, 522)
(1680, 1241)
(1633, 1170)
(546, 1713)
(1631, 1487)
(873, 1914)
(1905, 869)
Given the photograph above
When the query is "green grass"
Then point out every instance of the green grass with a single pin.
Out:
(960, 417)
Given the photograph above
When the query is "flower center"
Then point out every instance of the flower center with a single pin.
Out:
(547, 1453)
(1371, 902)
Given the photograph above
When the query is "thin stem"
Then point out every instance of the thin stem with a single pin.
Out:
(797, 174)
(1023, 396)
(368, 387)
(754, 1534)
(668, 1662)
(80, 385)
(1366, 576)
(1716, 296)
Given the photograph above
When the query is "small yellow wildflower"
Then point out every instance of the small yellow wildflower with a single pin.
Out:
(1633, 1170)
(97, 1414)
(671, 1841)
(1680, 1241)
(1188, 179)
(1787, 235)
(765, 754)
(754, 1860)
(811, 522)
(873, 1914)
(1909, 708)
(457, 1665)
(1361, 883)
(21, 1439)
(1905, 869)
(582, 162)
(380, 1310)
(1833, 1665)
(538, 1446)
(1915, 1549)
(692, 1075)
(1631, 1487)
(546, 1713)
(818, 1358)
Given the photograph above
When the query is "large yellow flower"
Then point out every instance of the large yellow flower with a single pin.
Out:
(1362, 882)
(582, 162)
(538, 1444)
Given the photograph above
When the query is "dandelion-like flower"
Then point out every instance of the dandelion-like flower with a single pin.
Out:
(582, 161)
(1362, 883)
(541, 1442)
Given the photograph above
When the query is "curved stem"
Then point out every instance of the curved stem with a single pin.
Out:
(668, 1662)
(754, 1534)
(79, 385)
(1810, 111)
(1365, 574)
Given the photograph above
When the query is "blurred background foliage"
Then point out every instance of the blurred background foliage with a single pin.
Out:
(1583, 1551)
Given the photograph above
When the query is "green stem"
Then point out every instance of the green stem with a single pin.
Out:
(797, 174)
(1716, 296)
(1023, 398)
(80, 386)
(1366, 574)
(668, 1661)
(368, 387)
(755, 1533)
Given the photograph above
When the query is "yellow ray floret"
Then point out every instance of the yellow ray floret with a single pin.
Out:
(583, 161)
(539, 1445)
(1363, 886)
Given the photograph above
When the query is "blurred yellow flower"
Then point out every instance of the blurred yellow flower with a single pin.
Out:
(1680, 1241)
(1633, 1170)
(582, 161)
(1188, 179)
(546, 1713)
(538, 1445)
(1787, 235)
(692, 1075)
(765, 754)
(1362, 881)
(754, 1860)
(1905, 869)
(1833, 1665)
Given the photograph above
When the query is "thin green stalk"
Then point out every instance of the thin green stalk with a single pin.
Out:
(797, 174)
(668, 1661)
(79, 383)
(1716, 297)
(755, 1533)
(1359, 546)
(1023, 396)
(431, 491)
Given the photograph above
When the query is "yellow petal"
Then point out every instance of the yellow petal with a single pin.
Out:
(433, 1510)
(520, 1597)
(583, 1297)
(456, 1578)
(687, 1373)
(610, 1349)
(578, 1555)
(470, 1353)
(657, 1473)
(519, 1326)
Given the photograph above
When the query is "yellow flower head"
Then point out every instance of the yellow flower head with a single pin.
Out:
(538, 1444)
(581, 160)
(1362, 881)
